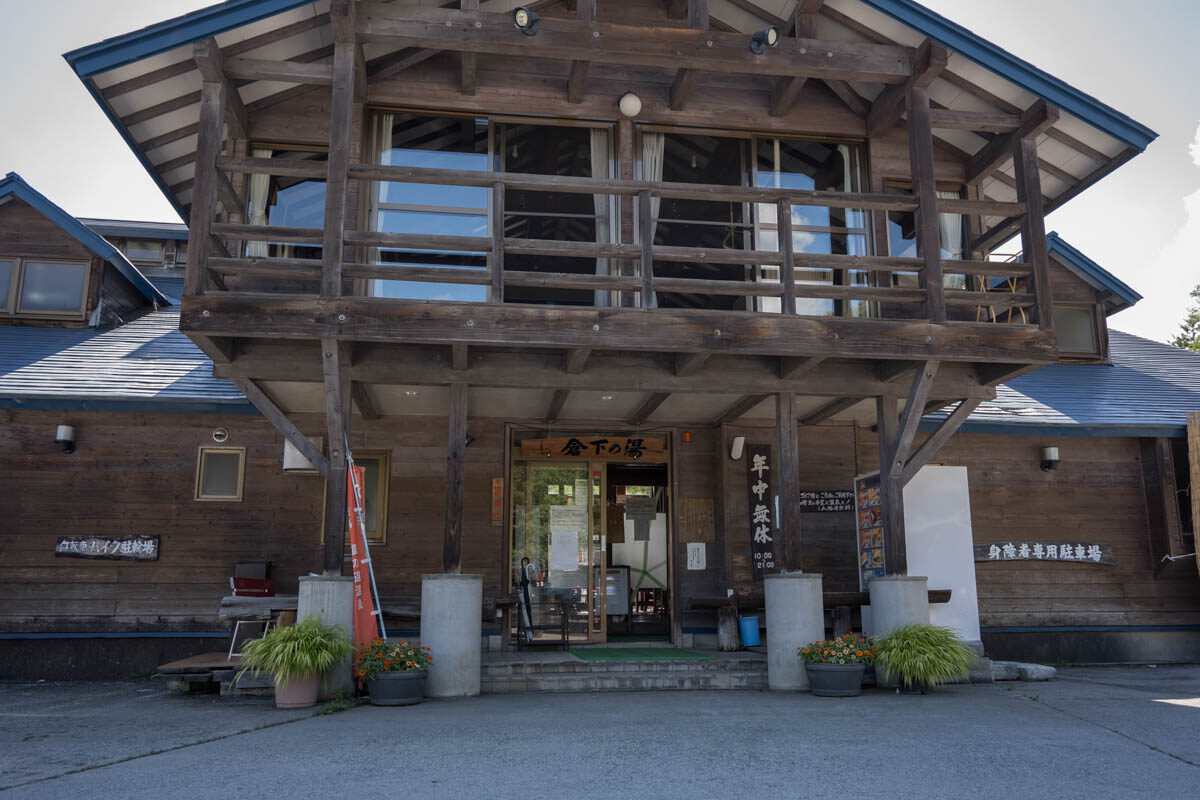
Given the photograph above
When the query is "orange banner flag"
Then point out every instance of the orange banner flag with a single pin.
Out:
(366, 626)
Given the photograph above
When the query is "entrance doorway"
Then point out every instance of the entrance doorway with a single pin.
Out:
(589, 558)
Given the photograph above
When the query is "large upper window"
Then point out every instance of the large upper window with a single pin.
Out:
(952, 236)
(283, 201)
(43, 288)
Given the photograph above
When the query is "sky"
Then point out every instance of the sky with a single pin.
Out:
(1141, 223)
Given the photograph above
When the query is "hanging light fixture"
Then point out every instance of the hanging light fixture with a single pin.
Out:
(526, 21)
(630, 104)
(760, 41)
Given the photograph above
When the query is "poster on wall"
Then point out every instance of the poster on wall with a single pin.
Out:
(761, 505)
(868, 520)
(567, 523)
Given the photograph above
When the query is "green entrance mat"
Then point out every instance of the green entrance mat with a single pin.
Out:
(637, 654)
(638, 637)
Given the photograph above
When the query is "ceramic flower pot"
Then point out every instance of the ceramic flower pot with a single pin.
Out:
(299, 692)
(916, 687)
(835, 680)
(397, 688)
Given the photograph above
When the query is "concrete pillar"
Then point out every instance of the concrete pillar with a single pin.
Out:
(898, 600)
(795, 617)
(330, 598)
(452, 627)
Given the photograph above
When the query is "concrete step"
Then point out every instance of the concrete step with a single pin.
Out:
(623, 676)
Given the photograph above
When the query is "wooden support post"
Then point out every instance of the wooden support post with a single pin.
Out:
(1033, 227)
(468, 82)
(787, 266)
(891, 488)
(929, 244)
(341, 118)
(204, 190)
(456, 452)
(790, 550)
(207, 56)
(334, 365)
(577, 82)
(496, 257)
(939, 437)
(914, 408)
(698, 14)
(458, 356)
(646, 235)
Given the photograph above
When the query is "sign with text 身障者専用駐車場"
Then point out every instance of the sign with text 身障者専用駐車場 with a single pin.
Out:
(761, 504)
(868, 525)
(1073, 552)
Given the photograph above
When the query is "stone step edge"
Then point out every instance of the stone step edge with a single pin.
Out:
(602, 667)
(627, 682)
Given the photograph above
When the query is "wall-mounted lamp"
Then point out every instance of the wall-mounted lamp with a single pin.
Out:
(739, 445)
(1049, 458)
(760, 41)
(630, 104)
(526, 21)
(64, 437)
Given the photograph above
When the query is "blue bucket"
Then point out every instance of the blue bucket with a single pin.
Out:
(749, 628)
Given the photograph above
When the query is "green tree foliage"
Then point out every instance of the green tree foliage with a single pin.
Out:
(1189, 330)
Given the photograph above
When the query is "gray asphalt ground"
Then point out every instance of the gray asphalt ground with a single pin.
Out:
(1093, 733)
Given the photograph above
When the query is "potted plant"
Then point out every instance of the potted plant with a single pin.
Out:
(835, 666)
(298, 655)
(921, 656)
(394, 671)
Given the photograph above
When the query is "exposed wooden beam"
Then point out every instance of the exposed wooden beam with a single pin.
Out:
(761, 13)
(267, 407)
(790, 550)
(219, 349)
(609, 371)
(690, 363)
(895, 548)
(204, 192)
(853, 100)
(784, 95)
(831, 409)
(232, 201)
(698, 14)
(929, 448)
(663, 330)
(262, 69)
(341, 116)
(890, 370)
(334, 356)
(795, 366)
(914, 408)
(739, 408)
(1033, 227)
(363, 402)
(681, 88)
(392, 64)
(468, 80)
(1034, 120)
(556, 404)
(924, 186)
(585, 10)
(456, 456)
(677, 9)
(977, 121)
(343, 20)
(609, 43)
(648, 407)
(575, 359)
(207, 56)
(458, 356)
(890, 104)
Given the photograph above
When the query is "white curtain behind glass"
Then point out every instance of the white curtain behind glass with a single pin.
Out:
(599, 159)
(260, 188)
(950, 230)
(653, 149)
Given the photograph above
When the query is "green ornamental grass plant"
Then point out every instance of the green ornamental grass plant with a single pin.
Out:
(923, 655)
(306, 648)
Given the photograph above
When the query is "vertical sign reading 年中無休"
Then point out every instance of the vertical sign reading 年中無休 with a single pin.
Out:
(868, 522)
(762, 509)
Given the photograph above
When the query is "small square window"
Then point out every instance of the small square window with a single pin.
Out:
(52, 288)
(220, 472)
(6, 276)
(1076, 329)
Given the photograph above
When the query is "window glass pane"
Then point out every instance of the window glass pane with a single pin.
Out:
(370, 467)
(141, 250)
(53, 287)
(219, 473)
(6, 271)
(1076, 329)
(281, 201)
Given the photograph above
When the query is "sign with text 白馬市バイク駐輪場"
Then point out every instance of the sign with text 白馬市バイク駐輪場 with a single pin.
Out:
(599, 447)
(126, 548)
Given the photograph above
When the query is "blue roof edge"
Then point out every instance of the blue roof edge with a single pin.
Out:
(14, 184)
(1017, 70)
(163, 36)
(144, 404)
(1090, 269)
(1121, 431)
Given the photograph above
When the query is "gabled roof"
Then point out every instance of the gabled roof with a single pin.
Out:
(1147, 390)
(129, 229)
(146, 83)
(1121, 296)
(14, 185)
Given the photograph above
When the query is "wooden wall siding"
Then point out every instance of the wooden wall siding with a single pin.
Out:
(1095, 496)
(119, 301)
(697, 466)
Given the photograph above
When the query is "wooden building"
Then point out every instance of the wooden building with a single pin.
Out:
(613, 244)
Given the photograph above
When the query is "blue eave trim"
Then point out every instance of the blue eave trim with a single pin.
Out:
(121, 50)
(145, 405)
(13, 184)
(1159, 431)
(1020, 72)
(1091, 270)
